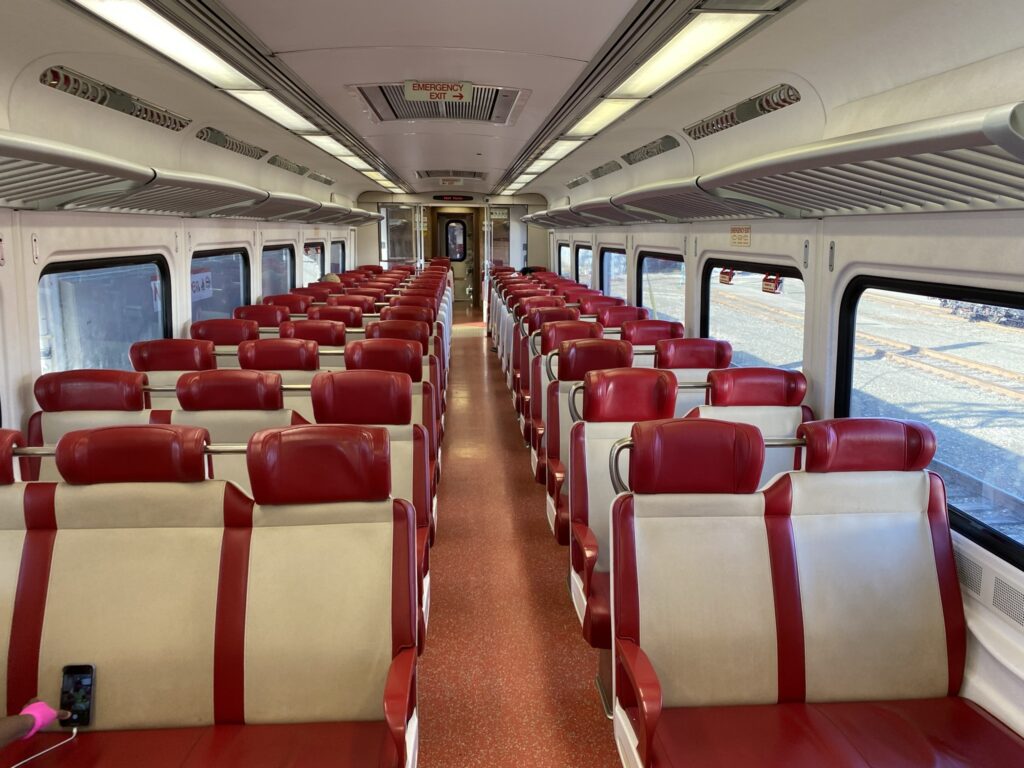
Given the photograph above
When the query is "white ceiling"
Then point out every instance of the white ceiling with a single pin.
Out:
(334, 46)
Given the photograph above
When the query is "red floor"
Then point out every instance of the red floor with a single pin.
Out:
(507, 679)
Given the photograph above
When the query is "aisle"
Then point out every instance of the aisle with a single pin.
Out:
(507, 679)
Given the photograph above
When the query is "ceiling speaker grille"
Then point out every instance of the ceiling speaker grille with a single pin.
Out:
(489, 104)
(287, 165)
(451, 175)
(239, 147)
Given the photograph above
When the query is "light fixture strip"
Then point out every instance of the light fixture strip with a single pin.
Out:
(603, 114)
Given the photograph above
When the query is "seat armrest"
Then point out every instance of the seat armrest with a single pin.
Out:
(556, 477)
(646, 691)
(585, 547)
(400, 697)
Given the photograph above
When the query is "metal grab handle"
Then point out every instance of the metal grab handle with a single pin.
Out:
(693, 385)
(549, 365)
(284, 388)
(44, 451)
(618, 484)
(533, 343)
(522, 326)
(321, 352)
(644, 352)
(574, 413)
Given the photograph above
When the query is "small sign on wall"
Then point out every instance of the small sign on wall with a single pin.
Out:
(739, 237)
(202, 285)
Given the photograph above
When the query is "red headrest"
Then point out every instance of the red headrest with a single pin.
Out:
(399, 355)
(172, 355)
(364, 303)
(352, 317)
(331, 287)
(315, 292)
(692, 353)
(514, 297)
(614, 317)
(230, 390)
(144, 453)
(554, 333)
(379, 285)
(279, 355)
(225, 331)
(502, 270)
(756, 386)
(678, 456)
(293, 301)
(373, 268)
(651, 331)
(413, 330)
(420, 314)
(574, 294)
(628, 394)
(864, 445)
(415, 301)
(591, 305)
(578, 356)
(522, 306)
(536, 317)
(328, 333)
(91, 390)
(377, 294)
(267, 315)
(362, 397)
(428, 291)
(9, 440)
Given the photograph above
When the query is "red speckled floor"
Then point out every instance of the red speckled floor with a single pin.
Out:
(507, 679)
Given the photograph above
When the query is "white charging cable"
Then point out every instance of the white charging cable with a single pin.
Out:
(68, 740)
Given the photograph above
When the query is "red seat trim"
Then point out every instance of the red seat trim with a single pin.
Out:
(789, 618)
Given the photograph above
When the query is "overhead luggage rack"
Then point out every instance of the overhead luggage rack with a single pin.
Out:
(971, 161)
(275, 207)
(327, 213)
(45, 175)
(602, 210)
(565, 216)
(685, 200)
(358, 216)
(174, 193)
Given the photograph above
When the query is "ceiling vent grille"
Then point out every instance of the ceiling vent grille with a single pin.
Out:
(84, 87)
(772, 100)
(610, 167)
(489, 104)
(321, 178)
(287, 165)
(479, 175)
(653, 149)
(239, 147)
(579, 181)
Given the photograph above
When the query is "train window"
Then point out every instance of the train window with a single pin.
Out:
(397, 238)
(278, 269)
(564, 260)
(312, 262)
(584, 265)
(662, 287)
(952, 358)
(220, 282)
(758, 308)
(455, 240)
(338, 256)
(90, 312)
(613, 272)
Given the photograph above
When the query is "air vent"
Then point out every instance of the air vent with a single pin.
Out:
(969, 571)
(1009, 600)
(239, 147)
(489, 104)
(84, 87)
(579, 181)
(287, 165)
(322, 179)
(653, 149)
(610, 167)
(772, 100)
(451, 175)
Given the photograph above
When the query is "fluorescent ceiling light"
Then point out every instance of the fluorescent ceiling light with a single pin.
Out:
(268, 105)
(152, 29)
(376, 176)
(539, 166)
(561, 148)
(525, 178)
(358, 163)
(604, 113)
(329, 145)
(705, 34)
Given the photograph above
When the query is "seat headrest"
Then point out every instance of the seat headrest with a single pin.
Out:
(9, 440)
(143, 453)
(362, 397)
(419, 314)
(866, 445)
(364, 303)
(692, 353)
(328, 333)
(577, 356)
(333, 287)
(642, 332)
(537, 316)
(267, 315)
(230, 390)
(377, 294)
(374, 268)
(415, 301)
(379, 285)
(521, 307)
(591, 305)
(695, 456)
(756, 386)
(554, 333)
(628, 394)
(172, 355)
(279, 355)
(352, 317)
(399, 355)
(614, 317)
(295, 302)
(515, 296)
(225, 331)
(91, 389)
(413, 330)
(316, 293)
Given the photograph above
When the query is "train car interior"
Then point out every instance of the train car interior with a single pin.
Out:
(572, 384)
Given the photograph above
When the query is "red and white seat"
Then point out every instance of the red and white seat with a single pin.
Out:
(226, 334)
(329, 336)
(529, 349)
(268, 316)
(644, 334)
(691, 360)
(612, 318)
(297, 360)
(164, 360)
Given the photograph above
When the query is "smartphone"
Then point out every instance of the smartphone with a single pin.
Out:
(76, 692)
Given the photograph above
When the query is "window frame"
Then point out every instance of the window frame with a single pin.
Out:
(344, 254)
(760, 267)
(576, 248)
(558, 256)
(638, 283)
(246, 270)
(602, 252)
(290, 246)
(323, 255)
(448, 243)
(988, 538)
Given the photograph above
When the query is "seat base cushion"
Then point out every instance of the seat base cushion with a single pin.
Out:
(303, 745)
(937, 733)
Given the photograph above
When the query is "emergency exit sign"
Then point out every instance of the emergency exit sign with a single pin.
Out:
(421, 90)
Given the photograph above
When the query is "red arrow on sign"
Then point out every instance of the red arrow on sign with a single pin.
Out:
(458, 96)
